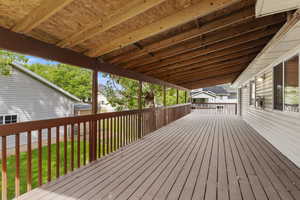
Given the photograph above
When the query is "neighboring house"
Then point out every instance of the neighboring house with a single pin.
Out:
(216, 94)
(103, 105)
(26, 96)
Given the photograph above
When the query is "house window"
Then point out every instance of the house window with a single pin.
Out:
(278, 87)
(291, 85)
(8, 119)
(252, 92)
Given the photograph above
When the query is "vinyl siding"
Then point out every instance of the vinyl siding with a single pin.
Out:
(31, 100)
(281, 129)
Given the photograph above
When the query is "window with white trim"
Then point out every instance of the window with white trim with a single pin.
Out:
(8, 119)
(286, 85)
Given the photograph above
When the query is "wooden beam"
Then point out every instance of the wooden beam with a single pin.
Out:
(206, 68)
(229, 33)
(202, 8)
(232, 43)
(186, 68)
(227, 78)
(130, 10)
(202, 58)
(37, 16)
(26, 45)
(213, 73)
(177, 96)
(238, 17)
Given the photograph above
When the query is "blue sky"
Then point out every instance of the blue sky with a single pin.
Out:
(33, 60)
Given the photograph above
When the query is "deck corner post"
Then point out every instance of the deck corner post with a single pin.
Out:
(140, 91)
(93, 137)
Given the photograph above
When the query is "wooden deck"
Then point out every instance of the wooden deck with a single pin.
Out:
(197, 157)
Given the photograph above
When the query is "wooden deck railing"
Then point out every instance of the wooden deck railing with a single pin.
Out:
(73, 141)
(215, 108)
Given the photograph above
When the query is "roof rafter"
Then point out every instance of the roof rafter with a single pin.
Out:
(132, 9)
(219, 36)
(216, 54)
(202, 8)
(227, 78)
(228, 44)
(40, 14)
(216, 72)
(210, 62)
(214, 25)
(205, 69)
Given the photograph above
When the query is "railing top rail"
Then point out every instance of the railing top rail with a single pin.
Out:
(12, 129)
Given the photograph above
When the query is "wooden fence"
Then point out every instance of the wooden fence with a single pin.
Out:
(215, 108)
(78, 140)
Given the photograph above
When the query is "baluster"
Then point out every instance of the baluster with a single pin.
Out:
(84, 143)
(65, 149)
(123, 130)
(103, 137)
(115, 134)
(29, 159)
(78, 145)
(17, 177)
(4, 168)
(111, 134)
(72, 147)
(107, 136)
(49, 155)
(57, 151)
(118, 132)
(99, 138)
(40, 160)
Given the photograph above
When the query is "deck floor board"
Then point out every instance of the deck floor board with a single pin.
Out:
(200, 157)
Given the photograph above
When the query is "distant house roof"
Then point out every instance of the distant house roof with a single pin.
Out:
(218, 90)
(44, 81)
(196, 94)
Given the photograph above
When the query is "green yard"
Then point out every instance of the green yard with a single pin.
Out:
(23, 166)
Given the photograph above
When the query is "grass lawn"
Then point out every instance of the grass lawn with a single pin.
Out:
(11, 170)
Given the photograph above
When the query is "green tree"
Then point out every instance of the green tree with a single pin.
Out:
(6, 58)
(122, 93)
(75, 80)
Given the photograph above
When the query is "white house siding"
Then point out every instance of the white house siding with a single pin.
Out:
(31, 100)
(281, 129)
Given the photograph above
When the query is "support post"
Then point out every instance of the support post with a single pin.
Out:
(185, 97)
(140, 109)
(177, 96)
(165, 104)
(93, 132)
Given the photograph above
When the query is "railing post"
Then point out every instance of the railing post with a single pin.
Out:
(165, 104)
(93, 132)
(140, 109)
(177, 96)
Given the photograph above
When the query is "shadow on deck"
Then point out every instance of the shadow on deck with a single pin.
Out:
(196, 157)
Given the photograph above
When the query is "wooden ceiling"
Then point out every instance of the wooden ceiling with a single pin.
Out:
(187, 43)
